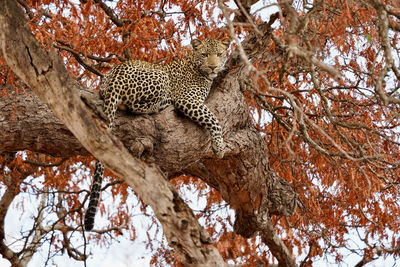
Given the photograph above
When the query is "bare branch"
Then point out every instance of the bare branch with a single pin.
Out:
(29, 251)
(42, 164)
(118, 22)
(275, 243)
(79, 59)
(12, 180)
(44, 72)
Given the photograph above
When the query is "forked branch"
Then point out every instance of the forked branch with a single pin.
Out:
(45, 73)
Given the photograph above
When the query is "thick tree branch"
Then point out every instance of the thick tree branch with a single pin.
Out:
(173, 142)
(12, 180)
(46, 75)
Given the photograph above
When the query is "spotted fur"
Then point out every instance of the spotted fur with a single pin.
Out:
(145, 88)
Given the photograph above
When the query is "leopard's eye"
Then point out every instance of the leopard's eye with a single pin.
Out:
(219, 54)
(204, 54)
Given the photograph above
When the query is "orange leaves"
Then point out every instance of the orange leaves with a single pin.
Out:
(230, 246)
(248, 252)
(335, 142)
(86, 9)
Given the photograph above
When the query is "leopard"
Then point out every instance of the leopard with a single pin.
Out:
(142, 87)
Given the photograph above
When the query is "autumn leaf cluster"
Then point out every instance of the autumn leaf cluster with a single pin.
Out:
(323, 94)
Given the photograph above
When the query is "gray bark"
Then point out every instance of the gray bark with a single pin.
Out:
(64, 126)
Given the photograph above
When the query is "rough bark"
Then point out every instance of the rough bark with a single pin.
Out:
(46, 75)
(167, 140)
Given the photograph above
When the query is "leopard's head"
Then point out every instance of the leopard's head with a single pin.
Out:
(209, 56)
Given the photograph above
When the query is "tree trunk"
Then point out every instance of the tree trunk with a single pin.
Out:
(167, 141)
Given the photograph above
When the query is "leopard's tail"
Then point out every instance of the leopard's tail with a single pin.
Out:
(94, 196)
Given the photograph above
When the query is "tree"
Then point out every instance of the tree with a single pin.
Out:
(308, 104)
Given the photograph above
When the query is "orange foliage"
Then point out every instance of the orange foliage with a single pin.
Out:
(342, 159)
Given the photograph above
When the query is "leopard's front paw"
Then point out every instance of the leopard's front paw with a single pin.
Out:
(218, 148)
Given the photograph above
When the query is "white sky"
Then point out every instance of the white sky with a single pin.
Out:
(123, 252)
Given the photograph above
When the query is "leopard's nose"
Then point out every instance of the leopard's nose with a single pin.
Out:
(212, 67)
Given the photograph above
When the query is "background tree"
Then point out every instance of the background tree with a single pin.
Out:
(308, 104)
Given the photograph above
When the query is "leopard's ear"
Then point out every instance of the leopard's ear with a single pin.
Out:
(225, 42)
(195, 43)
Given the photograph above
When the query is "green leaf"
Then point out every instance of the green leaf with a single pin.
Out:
(369, 37)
